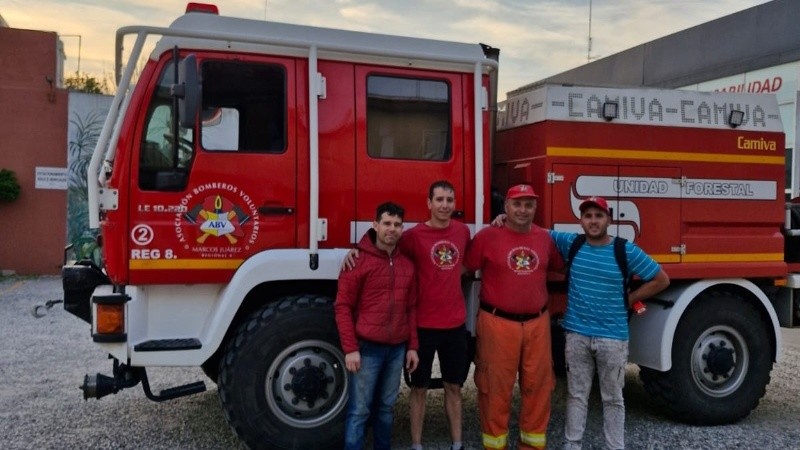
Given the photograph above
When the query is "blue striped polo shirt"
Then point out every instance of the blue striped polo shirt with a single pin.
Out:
(595, 299)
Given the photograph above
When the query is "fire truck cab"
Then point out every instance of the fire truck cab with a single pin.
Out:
(234, 175)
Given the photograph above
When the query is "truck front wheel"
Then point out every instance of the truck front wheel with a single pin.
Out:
(282, 379)
(721, 362)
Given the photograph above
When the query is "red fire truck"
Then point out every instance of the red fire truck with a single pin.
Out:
(233, 175)
(697, 180)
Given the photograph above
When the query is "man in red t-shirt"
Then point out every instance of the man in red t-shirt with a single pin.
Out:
(437, 248)
(513, 328)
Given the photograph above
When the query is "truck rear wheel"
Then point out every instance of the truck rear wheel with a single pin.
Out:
(721, 362)
(282, 379)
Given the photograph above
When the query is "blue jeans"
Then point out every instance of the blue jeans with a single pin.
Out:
(373, 391)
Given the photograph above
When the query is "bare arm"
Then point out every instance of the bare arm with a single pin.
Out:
(412, 360)
(649, 288)
(499, 221)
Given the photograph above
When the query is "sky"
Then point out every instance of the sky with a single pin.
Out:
(536, 38)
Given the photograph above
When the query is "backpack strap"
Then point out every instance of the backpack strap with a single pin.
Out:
(622, 261)
(573, 250)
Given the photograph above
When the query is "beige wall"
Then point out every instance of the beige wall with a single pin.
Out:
(33, 133)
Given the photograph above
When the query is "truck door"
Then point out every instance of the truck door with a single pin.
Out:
(410, 133)
(650, 210)
(644, 201)
(227, 190)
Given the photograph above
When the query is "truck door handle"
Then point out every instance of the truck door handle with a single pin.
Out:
(458, 214)
(275, 210)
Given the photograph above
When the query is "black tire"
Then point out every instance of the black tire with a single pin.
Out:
(721, 362)
(282, 379)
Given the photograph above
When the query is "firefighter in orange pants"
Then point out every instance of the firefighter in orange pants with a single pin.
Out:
(513, 329)
(504, 347)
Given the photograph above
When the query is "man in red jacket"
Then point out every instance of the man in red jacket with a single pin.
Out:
(376, 316)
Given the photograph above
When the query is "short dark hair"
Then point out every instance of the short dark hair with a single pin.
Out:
(444, 184)
(392, 209)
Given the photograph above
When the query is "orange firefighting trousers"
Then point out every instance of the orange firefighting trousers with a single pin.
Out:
(503, 349)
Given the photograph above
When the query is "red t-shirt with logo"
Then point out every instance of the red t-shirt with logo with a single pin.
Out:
(438, 254)
(513, 267)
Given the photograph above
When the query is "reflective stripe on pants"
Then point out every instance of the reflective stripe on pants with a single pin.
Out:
(494, 442)
(535, 440)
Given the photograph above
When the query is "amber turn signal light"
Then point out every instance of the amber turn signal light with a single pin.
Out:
(110, 318)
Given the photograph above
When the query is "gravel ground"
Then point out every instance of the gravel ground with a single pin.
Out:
(43, 361)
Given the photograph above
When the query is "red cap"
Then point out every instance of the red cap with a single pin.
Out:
(520, 190)
(597, 202)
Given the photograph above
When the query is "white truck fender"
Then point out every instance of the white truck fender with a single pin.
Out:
(652, 333)
(266, 266)
(270, 265)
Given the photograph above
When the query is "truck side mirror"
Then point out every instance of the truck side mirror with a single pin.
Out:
(188, 92)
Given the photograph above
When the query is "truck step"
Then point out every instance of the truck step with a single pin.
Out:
(178, 391)
(166, 345)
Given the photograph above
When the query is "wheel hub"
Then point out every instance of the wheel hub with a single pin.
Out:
(306, 384)
(720, 361)
(309, 383)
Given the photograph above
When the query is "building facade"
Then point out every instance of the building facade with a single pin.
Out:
(33, 133)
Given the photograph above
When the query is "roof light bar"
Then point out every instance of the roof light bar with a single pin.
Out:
(202, 8)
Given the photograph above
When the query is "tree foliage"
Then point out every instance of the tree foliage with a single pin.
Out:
(83, 82)
(9, 186)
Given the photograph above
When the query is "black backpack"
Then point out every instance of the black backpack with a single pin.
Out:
(619, 255)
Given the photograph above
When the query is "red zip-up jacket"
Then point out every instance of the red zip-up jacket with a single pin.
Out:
(377, 300)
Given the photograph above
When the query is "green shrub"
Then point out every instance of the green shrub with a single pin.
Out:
(9, 187)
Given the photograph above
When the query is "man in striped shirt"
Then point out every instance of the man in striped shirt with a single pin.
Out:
(596, 320)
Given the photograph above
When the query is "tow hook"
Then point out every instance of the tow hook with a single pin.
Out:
(38, 312)
(99, 385)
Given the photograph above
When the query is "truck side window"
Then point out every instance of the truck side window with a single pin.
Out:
(244, 107)
(408, 118)
(163, 166)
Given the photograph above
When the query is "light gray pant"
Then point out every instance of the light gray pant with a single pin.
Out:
(609, 357)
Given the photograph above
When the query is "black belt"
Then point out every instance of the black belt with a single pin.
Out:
(512, 316)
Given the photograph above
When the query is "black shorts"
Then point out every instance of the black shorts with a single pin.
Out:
(451, 346)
